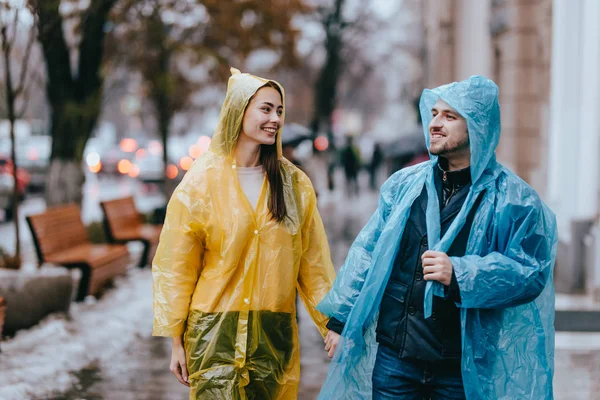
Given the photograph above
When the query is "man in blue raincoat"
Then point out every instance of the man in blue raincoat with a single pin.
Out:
(447, 292)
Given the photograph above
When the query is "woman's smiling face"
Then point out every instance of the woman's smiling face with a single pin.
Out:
(263, 117)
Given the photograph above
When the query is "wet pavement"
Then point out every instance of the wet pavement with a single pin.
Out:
(142, 373)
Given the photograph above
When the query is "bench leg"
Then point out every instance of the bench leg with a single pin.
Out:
(144, 260)
(84, 282)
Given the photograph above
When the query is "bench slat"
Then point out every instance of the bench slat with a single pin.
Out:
(59, 228)
(121, 214)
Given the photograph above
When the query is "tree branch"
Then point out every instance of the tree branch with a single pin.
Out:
(54, 46)
(91, 47)
(25, 62)
(15, 25)
(27, 93)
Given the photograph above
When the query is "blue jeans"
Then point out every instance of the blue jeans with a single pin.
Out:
(397, 379)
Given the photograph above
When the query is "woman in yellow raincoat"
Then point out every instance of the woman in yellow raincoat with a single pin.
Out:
(226, 270)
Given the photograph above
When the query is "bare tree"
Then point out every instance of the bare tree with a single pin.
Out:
(334, 26)
(345, 58)
(16, 90)
(74, 90)
(161, 40)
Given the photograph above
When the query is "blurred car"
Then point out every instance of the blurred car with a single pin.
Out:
(33, 157)
(150, 169)
(7, 185)
(294, 134)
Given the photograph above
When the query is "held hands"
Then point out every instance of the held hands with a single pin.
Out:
(437, 267)
(331, 342)
(178, 364)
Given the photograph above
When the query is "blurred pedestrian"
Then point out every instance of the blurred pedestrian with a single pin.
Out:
(376, 161)
(2, 316)
(350, 158)
(242, 234)
(448, 292)
(288, 151)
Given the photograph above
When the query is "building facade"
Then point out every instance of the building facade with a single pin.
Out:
(545, 57)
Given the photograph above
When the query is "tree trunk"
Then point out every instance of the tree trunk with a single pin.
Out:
(160, 95)
(164, 121)
(10, 104)
(15, 196)
(326, 84)
(74, 98)
(72, 125)
(64, 182)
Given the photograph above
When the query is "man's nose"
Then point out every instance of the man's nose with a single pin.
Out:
(436, 122)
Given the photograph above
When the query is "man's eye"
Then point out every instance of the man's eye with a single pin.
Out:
(451, 117)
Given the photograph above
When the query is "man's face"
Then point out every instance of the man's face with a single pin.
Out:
(448, 133)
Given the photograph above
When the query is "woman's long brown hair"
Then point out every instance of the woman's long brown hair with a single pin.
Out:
(272, 166)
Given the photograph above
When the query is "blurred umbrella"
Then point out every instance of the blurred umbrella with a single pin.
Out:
(405, 146)
(293, 134)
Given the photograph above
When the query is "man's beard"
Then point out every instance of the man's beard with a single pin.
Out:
(449, 148)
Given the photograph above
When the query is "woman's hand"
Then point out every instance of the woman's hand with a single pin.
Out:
(331, 342)
(178, 362)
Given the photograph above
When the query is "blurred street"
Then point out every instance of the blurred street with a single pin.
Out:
(138, 367)
(106, 104)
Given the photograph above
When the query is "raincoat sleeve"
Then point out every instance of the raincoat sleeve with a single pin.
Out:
(316, 273)
(347, 287)
(176, 266)
(517, 273)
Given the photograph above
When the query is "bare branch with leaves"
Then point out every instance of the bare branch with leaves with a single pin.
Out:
(181, 47)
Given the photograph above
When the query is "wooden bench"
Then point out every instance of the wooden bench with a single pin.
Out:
(123, 223)
(61, 238)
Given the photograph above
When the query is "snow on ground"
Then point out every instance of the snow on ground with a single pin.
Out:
(38, 362)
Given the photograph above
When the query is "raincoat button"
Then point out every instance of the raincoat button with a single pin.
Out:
(247, 301)
(419, 276)
(424, 241)
(256, 232)
(412, 310)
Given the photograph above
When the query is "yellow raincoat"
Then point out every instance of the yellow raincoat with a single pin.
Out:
(225, 274)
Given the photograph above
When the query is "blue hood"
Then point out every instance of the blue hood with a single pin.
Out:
(476, 99)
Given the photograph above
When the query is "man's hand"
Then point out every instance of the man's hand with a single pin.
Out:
(331, 341)
(178, 364)
(437, 267)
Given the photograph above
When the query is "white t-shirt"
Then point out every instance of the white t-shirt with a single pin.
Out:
(251, 180)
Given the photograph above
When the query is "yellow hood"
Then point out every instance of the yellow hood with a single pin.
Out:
(241, 87)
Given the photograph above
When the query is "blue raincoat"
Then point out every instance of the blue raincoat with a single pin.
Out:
(505, 278)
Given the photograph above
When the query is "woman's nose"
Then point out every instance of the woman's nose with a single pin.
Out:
(275, 118)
